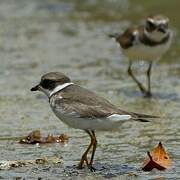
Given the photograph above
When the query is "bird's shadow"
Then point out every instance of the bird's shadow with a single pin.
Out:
(105, 170)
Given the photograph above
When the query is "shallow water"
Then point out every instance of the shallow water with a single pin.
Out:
(71, 36)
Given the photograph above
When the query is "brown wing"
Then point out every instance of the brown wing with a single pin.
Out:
(84, 103)
(126, 39)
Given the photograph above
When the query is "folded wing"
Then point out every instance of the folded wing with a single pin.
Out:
(83, 103)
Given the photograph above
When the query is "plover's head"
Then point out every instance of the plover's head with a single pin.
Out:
(157, 26)
(50, 82)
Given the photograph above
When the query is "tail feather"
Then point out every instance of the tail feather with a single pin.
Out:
(140, 120)
(143, 117)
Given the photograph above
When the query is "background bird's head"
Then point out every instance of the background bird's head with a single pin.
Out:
(157, 26)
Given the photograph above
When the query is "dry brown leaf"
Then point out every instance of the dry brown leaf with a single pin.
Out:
(35, 137)
(158, 158)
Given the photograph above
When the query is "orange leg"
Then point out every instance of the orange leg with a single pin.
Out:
(93, 152)
(84, 156)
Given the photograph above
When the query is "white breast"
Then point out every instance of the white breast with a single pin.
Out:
(140, 51)
(146, 53)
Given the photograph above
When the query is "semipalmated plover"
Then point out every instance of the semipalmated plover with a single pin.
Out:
(145, 42)
(83, 109)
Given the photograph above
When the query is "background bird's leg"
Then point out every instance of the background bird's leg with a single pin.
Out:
(93, 152)
(148, 93)
(84, 156)
(141, 87)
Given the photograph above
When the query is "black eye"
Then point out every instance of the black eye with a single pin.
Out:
(151, 26)
(47, 83)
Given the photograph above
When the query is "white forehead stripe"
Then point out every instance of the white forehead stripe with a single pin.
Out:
(119, 117)
(60, 87)
(150, 19)
(162, 21)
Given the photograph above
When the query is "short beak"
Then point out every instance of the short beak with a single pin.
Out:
(162, 29)
(35, 88)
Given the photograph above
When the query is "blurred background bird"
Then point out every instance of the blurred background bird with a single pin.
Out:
(146, 42)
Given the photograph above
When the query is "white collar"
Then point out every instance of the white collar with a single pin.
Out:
(60, 87)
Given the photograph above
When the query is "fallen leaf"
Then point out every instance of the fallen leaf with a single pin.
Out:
(35, 137)
(158, 158)
(64, 138)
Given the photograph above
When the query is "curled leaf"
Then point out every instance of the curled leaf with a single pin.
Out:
(158, 158)
(35, 137)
